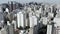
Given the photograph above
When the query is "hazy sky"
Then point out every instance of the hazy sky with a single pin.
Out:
(25, 1)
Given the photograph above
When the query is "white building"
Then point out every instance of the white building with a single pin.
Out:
(21, 19)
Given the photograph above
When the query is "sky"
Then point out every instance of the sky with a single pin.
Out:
(26, 1)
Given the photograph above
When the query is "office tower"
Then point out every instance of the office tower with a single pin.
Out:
(44, 20)
(51, 9)
(50, 27)
(21, 19)
(1, 8)
(56, 20)
(57, 25)
(10, 6)
(15, 24)
(14, 5)
(40, 9)
(50, 15)
(27, 20)
(10, 28)
(18, 19)
(33, 21)
(1, 19)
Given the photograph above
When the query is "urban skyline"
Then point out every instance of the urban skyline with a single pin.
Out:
(29, 17)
